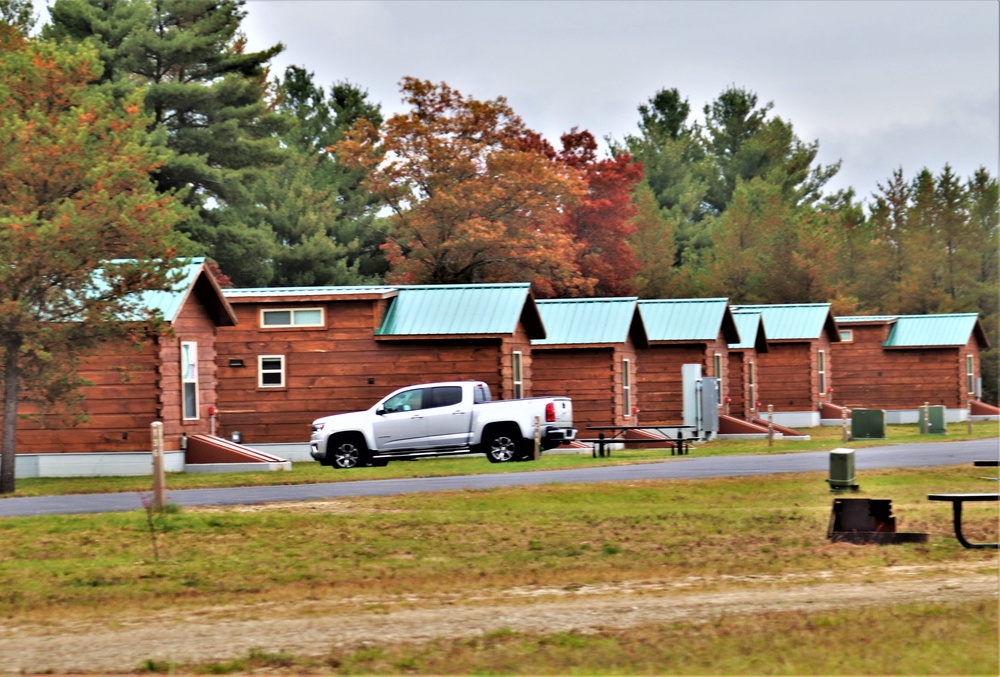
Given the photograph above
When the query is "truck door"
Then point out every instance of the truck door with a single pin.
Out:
(448, 417)
(402, 424)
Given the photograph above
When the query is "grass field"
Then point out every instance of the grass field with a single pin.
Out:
(387, 554)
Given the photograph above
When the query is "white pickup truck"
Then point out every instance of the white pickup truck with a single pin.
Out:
(439, 419)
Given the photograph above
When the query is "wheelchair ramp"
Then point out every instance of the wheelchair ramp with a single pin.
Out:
(206, 453)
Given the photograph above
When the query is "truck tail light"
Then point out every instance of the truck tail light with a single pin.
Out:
(550, 412)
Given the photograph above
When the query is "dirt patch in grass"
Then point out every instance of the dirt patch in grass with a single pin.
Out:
(314, 627)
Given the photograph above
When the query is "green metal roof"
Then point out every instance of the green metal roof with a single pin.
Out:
(193, 278)
(169, 302)
(873, 319)
(912, 331)
(751, 329)
(473, 309)
(281, 292)
(586, 321)
(688, 320)
(795, 321)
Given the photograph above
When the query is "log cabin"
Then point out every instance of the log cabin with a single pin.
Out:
(901, 362)
(743, 394)
(795, 374)
(169, 378)
(301, 353)
(680, 332)
(589, 355)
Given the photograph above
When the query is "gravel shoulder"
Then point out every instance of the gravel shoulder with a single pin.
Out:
(312, 628)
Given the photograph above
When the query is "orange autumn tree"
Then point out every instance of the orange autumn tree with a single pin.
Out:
(473, 196)
(83, 230)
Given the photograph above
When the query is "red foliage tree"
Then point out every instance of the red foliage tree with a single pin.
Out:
(603, 220)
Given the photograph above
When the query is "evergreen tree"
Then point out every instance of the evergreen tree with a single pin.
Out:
(316, 205)
(210, 95)
(744, 143)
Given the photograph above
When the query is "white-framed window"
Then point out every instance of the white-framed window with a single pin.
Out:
(752, 385)
(271, 371)
(847, 336)
(189, 380)
(821, 368)
(518, 375)
(292, 317)
(717, 371)
(970, 374)
(627, 387)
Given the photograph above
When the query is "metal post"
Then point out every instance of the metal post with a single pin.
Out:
(538, 437)
(770, 425)
(159, 477)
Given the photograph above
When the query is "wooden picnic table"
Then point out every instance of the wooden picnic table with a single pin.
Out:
(680, 445)
(956, 501)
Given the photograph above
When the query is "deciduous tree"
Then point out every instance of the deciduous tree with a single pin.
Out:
(473, 196)
(602, 220)
(82, 227)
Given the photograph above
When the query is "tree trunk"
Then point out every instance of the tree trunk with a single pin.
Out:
(11, 379)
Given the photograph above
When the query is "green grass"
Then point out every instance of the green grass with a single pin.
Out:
(380, 554)
(308, 473)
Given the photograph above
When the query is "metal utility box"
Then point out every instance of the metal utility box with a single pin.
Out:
(842, 470)
(932, 420)
(868, 424)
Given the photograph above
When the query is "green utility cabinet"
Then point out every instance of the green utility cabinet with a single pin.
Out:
(842, 471)
(932, 420)
(868, 424)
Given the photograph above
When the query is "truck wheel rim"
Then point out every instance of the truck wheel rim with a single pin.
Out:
(503, 449)
(346, 456)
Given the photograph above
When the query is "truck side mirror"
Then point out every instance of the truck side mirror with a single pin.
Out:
(380, 411)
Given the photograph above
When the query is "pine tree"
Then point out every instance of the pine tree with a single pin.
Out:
(210, 95)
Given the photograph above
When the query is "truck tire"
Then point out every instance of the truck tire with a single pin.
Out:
(503, 443)
(347, 451)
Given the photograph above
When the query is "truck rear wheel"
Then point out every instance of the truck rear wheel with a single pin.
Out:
(503, 444)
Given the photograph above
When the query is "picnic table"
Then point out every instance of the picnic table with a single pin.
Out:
(679, 445)
(956, 505)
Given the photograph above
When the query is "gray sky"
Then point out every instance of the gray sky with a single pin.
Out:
(881, 84)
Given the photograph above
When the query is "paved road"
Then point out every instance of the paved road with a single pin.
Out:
(899, 456)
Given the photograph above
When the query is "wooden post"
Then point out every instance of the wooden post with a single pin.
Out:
(843, 424)
(925, 415)
(770, 425)
(159, 477)
(538, 437)
(968, 405)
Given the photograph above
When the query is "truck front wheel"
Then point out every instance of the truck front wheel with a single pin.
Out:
(503, 444)
(348, 451)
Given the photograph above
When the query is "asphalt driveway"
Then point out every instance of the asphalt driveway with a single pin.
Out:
(898, 456)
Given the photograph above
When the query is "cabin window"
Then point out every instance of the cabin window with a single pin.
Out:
(717, 371)
(271, 371)
(821, 368)
(752, 385)
(970, 374)
(518, 376)
(292, 317)
(627, 387)
(189, 380)
(847, 336)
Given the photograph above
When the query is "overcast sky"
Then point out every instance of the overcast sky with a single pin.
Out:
(880, 84)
